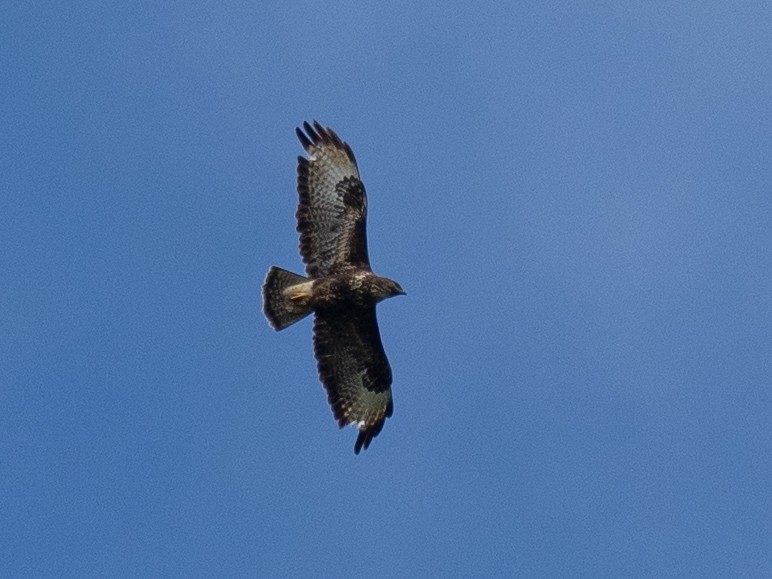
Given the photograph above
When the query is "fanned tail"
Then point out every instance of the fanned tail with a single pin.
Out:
(279, 307)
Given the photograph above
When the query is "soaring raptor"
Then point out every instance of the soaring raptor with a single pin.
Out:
(341, 288)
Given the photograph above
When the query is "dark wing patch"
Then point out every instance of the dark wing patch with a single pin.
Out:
(332, 207)
(354, 370)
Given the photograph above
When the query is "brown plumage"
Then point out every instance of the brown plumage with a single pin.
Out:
(341, 289)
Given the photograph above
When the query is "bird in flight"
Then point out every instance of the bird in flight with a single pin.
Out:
(340, 289)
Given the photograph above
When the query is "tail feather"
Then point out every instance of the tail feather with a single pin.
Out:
(280, 310)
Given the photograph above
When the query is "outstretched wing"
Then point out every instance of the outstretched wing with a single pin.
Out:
(333, 206)
(354, 370)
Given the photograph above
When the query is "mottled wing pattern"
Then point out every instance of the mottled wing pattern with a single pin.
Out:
(354, 370)
(332, 208)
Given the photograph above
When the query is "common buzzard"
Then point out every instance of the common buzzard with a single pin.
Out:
(341, 288)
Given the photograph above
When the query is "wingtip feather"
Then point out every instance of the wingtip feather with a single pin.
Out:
(303, 138)
(312, 134)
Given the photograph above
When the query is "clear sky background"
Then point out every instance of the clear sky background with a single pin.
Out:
(577, 199)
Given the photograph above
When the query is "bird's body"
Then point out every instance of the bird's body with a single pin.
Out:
(359, 288)
(341, 289)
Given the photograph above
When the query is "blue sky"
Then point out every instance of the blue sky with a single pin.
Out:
(575, 197)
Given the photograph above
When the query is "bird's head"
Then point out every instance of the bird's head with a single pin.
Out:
(389, 288)
(396, 289)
